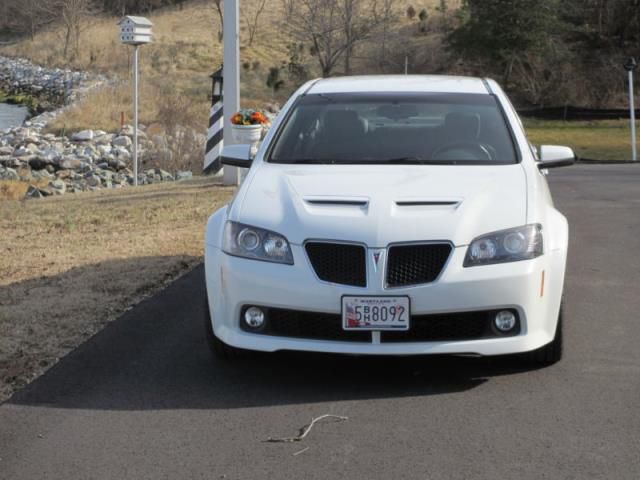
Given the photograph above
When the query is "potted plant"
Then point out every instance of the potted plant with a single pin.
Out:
(248, 125)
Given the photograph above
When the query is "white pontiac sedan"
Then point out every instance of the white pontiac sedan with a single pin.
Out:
(390, 215)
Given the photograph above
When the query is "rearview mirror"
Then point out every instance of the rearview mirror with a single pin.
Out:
(237, 155)
(554, 156)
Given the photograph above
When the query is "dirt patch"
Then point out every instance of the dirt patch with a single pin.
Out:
(69, 265)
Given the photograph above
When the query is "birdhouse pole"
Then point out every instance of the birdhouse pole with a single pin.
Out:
(135, 31)
(135, 115)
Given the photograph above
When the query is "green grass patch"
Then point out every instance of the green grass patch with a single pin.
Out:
(28, 101)
(596, 140)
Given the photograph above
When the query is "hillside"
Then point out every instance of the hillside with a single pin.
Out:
(175, 68)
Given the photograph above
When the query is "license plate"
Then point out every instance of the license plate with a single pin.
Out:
(375, 313)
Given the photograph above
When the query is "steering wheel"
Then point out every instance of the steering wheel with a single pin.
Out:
(471, 151)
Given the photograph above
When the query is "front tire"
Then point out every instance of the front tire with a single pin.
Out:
(552, 352)
(217, 347)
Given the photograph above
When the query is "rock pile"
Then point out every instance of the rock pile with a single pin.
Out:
(89, 160)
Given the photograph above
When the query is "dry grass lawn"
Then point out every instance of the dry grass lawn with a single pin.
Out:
(69, 265)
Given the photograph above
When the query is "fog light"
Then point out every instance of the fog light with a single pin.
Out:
(254, 317)
(505, 321)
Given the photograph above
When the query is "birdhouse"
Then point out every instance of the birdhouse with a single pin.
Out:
(135, 30)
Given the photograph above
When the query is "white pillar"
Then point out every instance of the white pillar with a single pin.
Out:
(231, 61)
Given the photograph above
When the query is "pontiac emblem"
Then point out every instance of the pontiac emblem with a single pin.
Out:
(376, 259)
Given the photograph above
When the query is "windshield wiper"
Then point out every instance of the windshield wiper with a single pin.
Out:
(418, 161)
(308, 161)
(368, 161)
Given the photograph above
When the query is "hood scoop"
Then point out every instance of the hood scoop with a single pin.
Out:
(337, 201)
(429, 202)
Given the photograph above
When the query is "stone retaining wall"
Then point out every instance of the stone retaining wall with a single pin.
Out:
(54, 86)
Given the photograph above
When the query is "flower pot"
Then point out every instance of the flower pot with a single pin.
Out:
(247, 134)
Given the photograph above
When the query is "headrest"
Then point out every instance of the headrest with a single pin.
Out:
(465, 124)
(344, 123)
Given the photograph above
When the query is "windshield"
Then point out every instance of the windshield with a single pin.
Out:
(395, 129)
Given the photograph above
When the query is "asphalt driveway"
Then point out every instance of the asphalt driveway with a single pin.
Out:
(143, 399)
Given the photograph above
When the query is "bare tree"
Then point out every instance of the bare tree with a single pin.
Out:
(361, 20)
(385, 17)
(73, 15)
(26, 16)
(350, 11)
(252, 17)
(319, 22)
(333, 28)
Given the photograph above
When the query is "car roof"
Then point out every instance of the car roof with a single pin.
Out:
(400, 83)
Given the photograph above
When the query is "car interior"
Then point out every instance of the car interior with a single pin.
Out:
(395, 131)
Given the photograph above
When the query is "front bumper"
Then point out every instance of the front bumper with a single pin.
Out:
(233, 283)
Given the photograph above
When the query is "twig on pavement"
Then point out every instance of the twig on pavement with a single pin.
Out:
(304, 431)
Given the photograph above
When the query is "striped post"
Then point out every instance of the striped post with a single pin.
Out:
(215, 134)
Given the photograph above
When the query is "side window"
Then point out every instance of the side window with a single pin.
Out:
(534, 150)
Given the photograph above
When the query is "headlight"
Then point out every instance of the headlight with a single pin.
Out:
(251, 242)
(522, 243)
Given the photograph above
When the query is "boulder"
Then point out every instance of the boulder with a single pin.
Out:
(41, 175)
(21, 152)
(51, 155)
(58, 187)
(92, 179)
(104, 149)
(83, 136)
(32, 148)
(38, 163)
(165, 176)
(116, 164)
(71, 164)
(104, 139)
(33, 192)
(122, 154)
(11, 162)
(184, 175)
(9, 174)
(122, 141)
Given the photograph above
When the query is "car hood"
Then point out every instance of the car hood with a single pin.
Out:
(382, 204)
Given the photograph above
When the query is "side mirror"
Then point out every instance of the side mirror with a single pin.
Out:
(237, 155)
(553, 156)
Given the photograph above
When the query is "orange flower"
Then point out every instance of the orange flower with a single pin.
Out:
(258, 117)
(236, 119)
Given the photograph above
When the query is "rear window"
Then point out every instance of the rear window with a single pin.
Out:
(383, 128)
